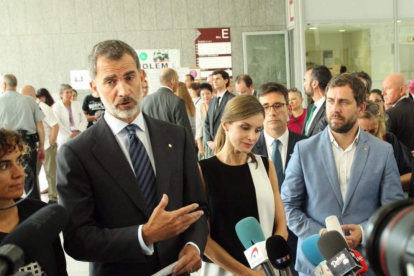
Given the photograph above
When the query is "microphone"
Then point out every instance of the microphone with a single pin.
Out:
(278, 252)
(332, 224)
(251, 236)
(311, 251)
(24, 243)
(335, 250)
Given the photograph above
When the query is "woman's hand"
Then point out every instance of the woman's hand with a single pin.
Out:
(201, 152)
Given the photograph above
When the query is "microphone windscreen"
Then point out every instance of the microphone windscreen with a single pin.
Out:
(38, 231)
(332, 224)
(249, 232)
(331, 243)
(278, 252)
(311, 251)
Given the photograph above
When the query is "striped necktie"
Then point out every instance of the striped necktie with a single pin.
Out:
(142, 167)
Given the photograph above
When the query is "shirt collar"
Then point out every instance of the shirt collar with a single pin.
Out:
(117, 125)
(320, 102)
(283, 139)
(333, 141)
(221, 95)
(162, 86)
(400, 100)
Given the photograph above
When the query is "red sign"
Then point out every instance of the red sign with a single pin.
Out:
(213, 50)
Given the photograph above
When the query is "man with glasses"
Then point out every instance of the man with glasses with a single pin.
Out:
(276, 141)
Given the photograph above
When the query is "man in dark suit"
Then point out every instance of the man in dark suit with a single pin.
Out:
(276, 141)
(315, 81)
(130, 183)
(401, 114)
(164, 105)
(216, 106)
(244, 85)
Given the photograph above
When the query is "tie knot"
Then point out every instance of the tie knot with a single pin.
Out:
(276, 143)
(132, 129)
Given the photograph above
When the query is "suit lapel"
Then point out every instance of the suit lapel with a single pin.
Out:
(316, 119)
(112, 159)
(328, 161)
(163, 149)
(221, 106)
(358, 166)
(308, 109)
(261, 145)
(291, 144)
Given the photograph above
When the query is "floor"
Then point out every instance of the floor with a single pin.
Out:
(74, 268)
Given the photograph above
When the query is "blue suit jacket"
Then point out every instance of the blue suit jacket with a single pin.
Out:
(311, 190)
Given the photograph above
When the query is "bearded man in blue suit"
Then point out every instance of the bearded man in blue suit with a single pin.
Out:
(341, 171)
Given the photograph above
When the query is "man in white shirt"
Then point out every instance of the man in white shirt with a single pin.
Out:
(315, 81)
(51, 127)
(131, 182)
(276, 141)
(341, 171)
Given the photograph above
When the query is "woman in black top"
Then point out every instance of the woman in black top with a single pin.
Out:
(50, 260)
(239, 184)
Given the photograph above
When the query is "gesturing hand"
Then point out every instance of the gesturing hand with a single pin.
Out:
(163, 225)
(355, 237)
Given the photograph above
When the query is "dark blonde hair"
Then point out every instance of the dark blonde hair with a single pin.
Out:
(238, 108)
(372, 112)
(183, 93)
(10, 141)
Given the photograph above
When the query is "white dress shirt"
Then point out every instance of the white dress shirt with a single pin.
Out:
(121, 135)
(318, 105)
(343, 163)
(284, 139)
(49, 121)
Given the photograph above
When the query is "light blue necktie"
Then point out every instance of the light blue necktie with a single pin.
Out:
(142, 166)
(277, 161)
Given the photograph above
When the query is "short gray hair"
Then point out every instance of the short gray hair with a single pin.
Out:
(110, 49)
(63, 87)
(10, 80)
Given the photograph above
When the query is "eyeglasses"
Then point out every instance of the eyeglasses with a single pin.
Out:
(275, 107)
(372, 108)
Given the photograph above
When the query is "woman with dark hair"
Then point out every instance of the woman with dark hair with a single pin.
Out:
(376, 96)
(373, 122)
(206, 92)
(239, 184)
(183, 93)
(44, 96)
(14, 210)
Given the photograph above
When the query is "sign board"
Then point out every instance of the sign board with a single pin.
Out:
(213, 50)
(159, 58)
(79, 79)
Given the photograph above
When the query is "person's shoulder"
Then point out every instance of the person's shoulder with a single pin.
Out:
(297, 136)
(31, 206)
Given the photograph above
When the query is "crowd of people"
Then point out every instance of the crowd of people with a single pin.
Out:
(150, 179)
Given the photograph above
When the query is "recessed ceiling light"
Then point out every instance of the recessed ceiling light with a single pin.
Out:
(313, 28)
(398, 21)
(341, 31)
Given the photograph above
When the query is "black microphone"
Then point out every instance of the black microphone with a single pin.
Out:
(24, 243)
(279, 256)
(335, 250)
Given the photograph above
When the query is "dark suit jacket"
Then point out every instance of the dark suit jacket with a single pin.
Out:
(165, 106)
(401, 122)
(98, 187)
(314, 127)
(212, 122)
(260, 148)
